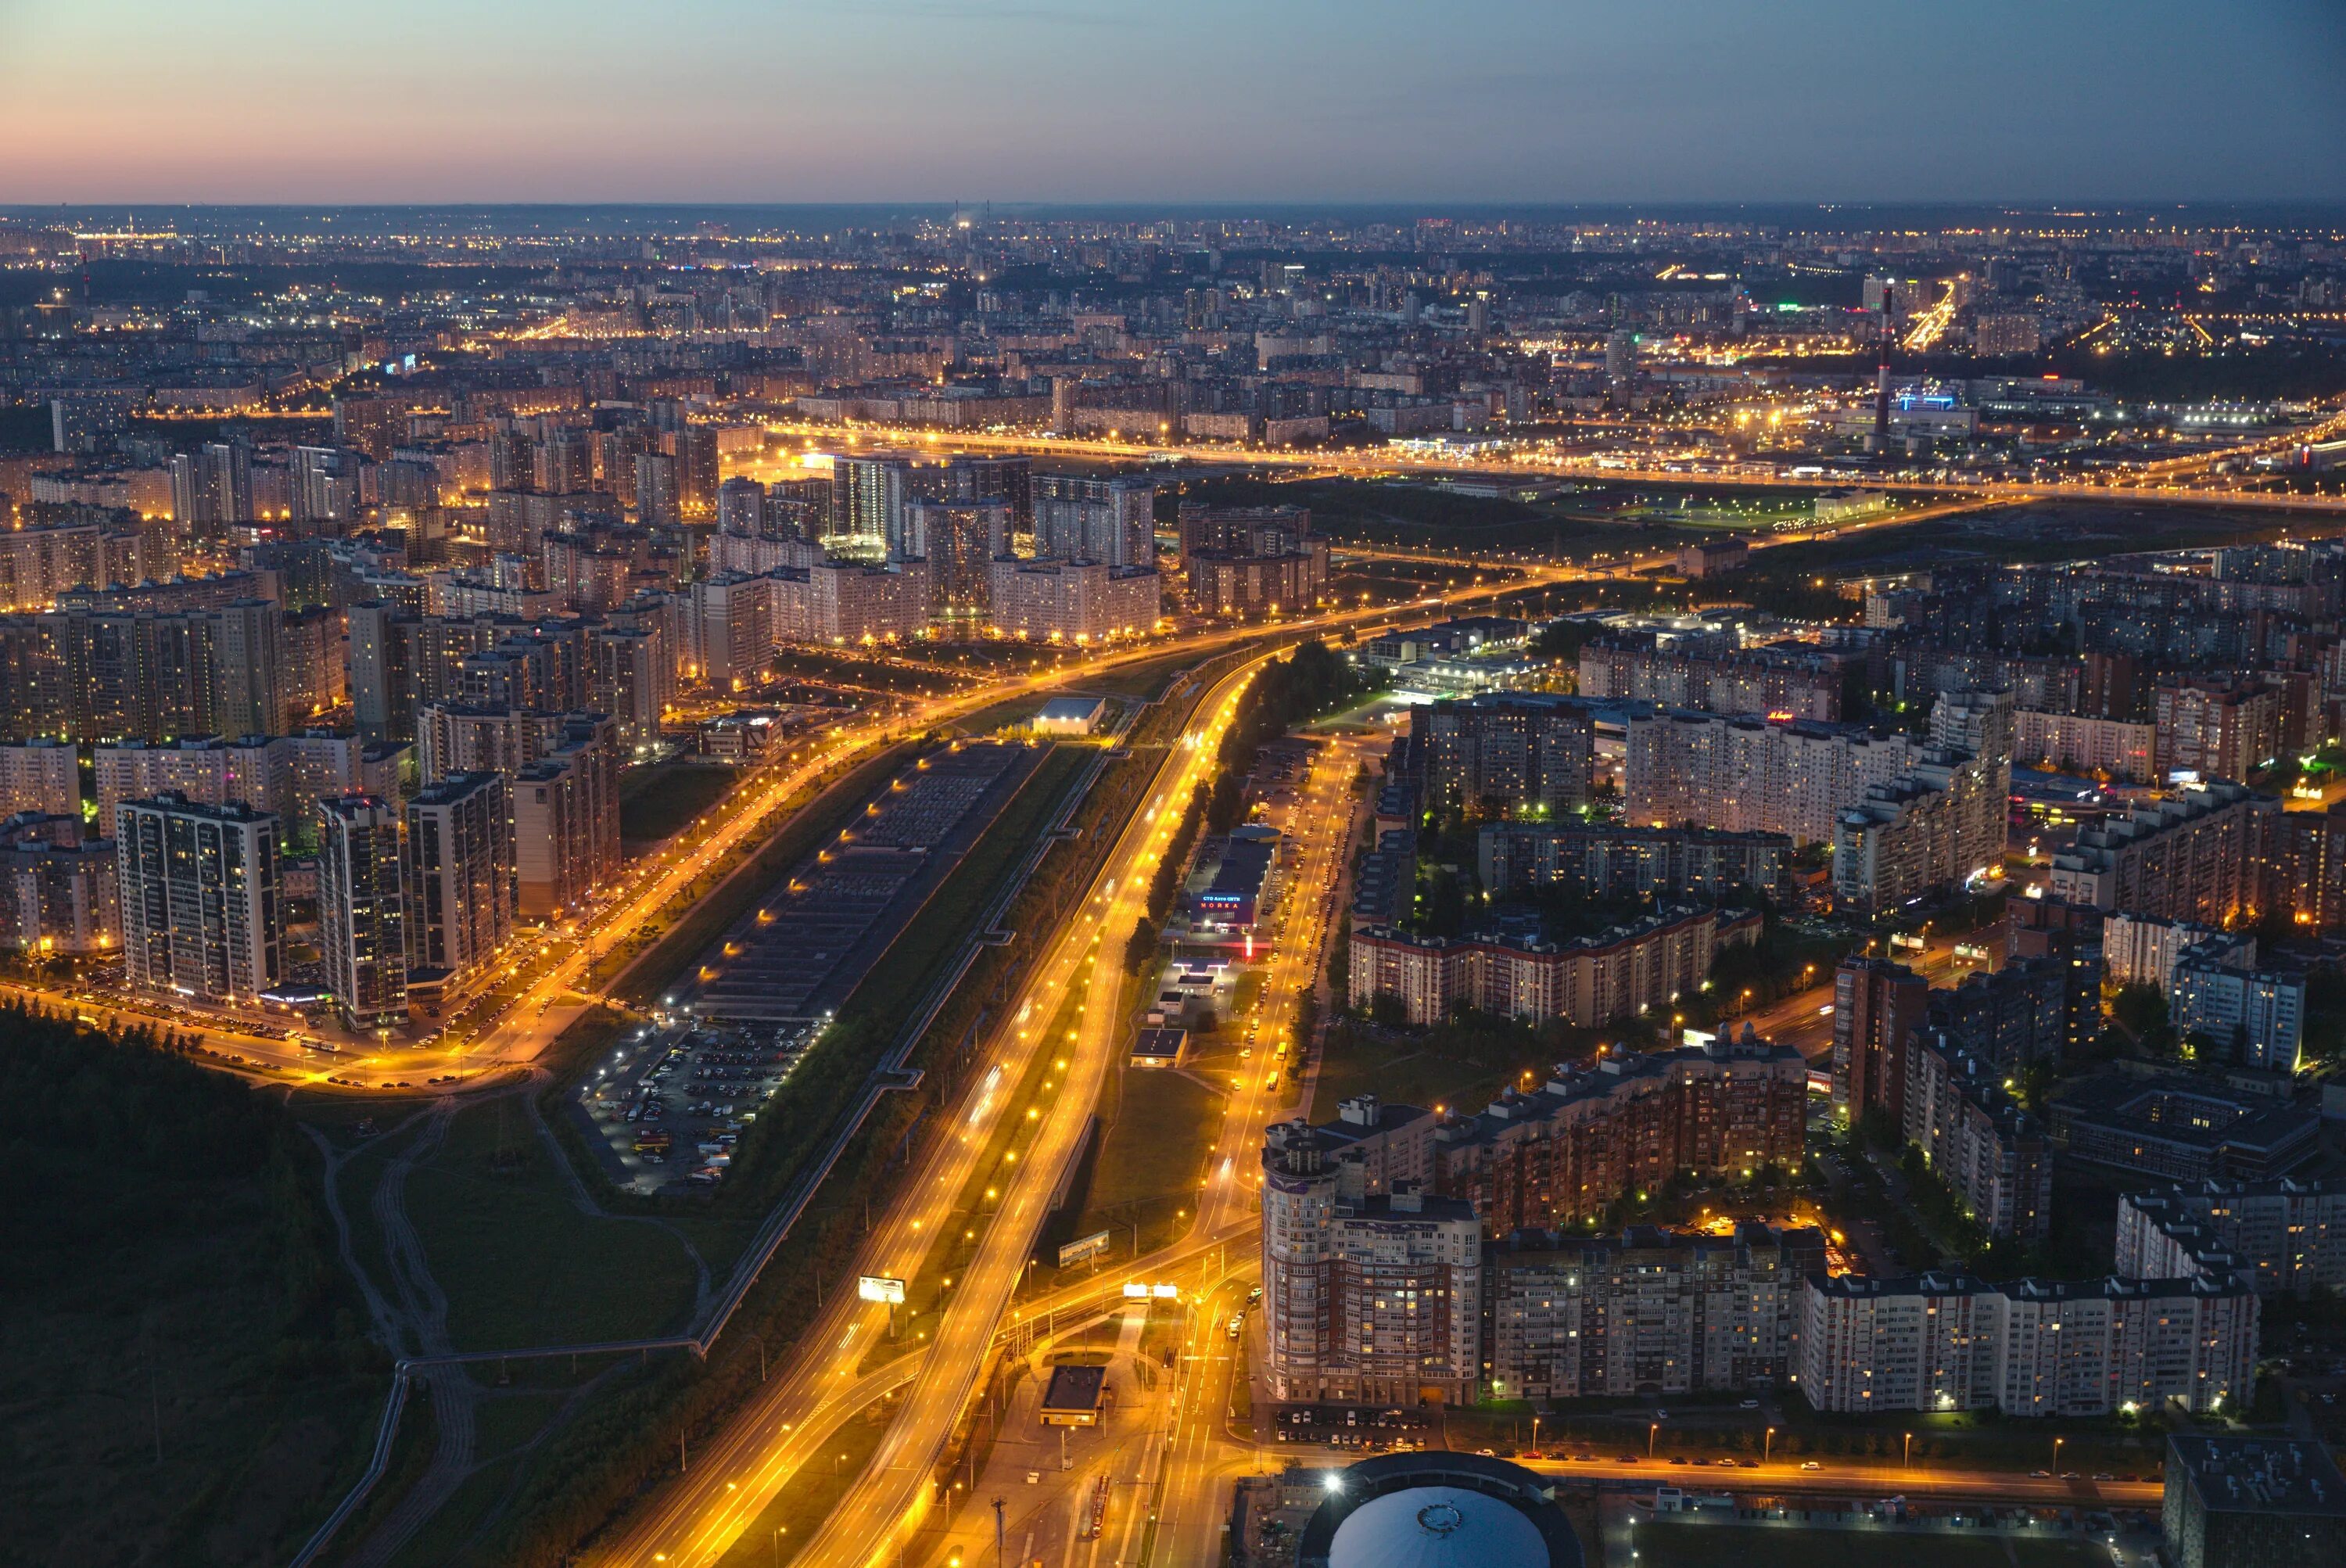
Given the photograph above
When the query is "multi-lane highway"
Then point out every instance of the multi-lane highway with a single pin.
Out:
(2161, 482)
(697, 1521)
(892, 1495)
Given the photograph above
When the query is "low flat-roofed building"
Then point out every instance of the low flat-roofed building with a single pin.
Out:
(1074, 1396)
(2251, 1502)
(1159, 1047)
(2181, 1129)
(1071, 716)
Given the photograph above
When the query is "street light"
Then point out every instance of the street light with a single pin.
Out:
(1908, 1461)
(2056, 1455)
(1651, 1428)
(1767, 1446)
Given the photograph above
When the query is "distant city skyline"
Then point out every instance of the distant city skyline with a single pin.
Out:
(126, 101)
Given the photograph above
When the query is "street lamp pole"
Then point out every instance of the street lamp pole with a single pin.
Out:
(1651, 1428)
(1767, 1446)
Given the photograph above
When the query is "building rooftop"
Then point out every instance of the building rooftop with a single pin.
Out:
(2258, 1474)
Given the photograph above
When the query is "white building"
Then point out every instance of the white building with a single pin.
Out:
(841, 601)
(1072, 601)
(2280, 1234)
(2029, 1347)
(1935, 826)
(2141, 950)
(1747, 774)
(41, 775)
(2256, 1017)
(2115, 746)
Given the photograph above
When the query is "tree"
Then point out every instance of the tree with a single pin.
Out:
(1340, 957)
(1140, 949)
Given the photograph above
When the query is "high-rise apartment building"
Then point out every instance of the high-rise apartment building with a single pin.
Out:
(565, 812)
(1368, 1298)
(867, 496)
(1589, 981)
(362, 932)
(961, 541)
(731, 621)
(1509, 750)
(41, 775)
(1602, 860)
(2217, 727)
(247, 656)
(1793, 681)
(1111, 521)
(202, 911)
(1939, 825)
(695, 472)
(1877, 1004)
(57, 887)
(1559, 1155)
(1754, 775)
(2196, 856)
(458, 878)
(2282, 1235)
(1992, 1153)
(1071, 601)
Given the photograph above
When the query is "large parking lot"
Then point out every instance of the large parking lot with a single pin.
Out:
(669, 1105)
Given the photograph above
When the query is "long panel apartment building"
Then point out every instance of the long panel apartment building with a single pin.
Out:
(1562, 1152)
(2197, 857)
(1754, 775)
(2282, 1236)
(1587, 981)
(2028, 1347)
(1649, 1310)
(1797, 680)
(1603, 860)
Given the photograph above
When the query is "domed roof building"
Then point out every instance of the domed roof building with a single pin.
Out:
(1437, 1510)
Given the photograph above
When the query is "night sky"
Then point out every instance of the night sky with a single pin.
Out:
(1092, 100)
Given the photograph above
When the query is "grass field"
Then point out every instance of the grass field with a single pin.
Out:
(1400, 1072)
(520, 1263)
(1677, 1545)
(1155, 1126)
(659, 800)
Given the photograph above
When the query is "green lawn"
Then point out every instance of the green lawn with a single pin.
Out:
(1155, 1126)
(659, 800)
(1402, 1072)
(1678, 1545)
(521, 1264)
